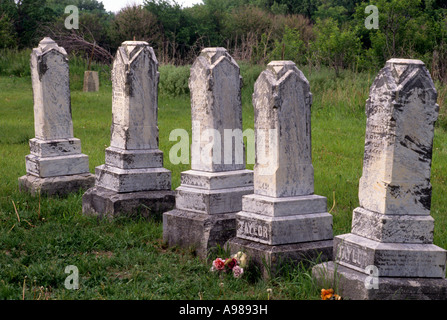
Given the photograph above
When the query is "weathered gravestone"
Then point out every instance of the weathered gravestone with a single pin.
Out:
(91, 81)
(389, 253)
(283, 221)
(210, 193)
(56, 164)
(133, 180)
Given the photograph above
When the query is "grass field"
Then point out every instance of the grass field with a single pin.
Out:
(126, 259)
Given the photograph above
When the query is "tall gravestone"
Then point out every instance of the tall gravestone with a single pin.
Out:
(283, 220)
(390, 252)
(210, 193)
(56, 164)
(133, 179)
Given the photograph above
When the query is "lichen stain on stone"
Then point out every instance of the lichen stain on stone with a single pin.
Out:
(42, 67)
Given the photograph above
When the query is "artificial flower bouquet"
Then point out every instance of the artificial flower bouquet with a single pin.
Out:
(236, 264)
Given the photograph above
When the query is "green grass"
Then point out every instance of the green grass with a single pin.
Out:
(126, 259)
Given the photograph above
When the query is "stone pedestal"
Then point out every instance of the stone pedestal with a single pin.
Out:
(91, 81)
(132, 181)
(206, 204)
(391, 239)
(211, 193)
(56, 165)
(283, 222)
(106, 203)
(351, 284)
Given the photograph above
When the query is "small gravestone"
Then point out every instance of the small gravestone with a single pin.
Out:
(91, 81)
(283, 221)
(389, 253)
(211, 192)
(133, 180)
(56, 164)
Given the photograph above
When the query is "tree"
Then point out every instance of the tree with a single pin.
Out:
(8, 14)
(338, 48)
(403, 30)
(291, 47)
(176, 29)
(32, 16)
(135, 22)
(92, 6)
(7, 32)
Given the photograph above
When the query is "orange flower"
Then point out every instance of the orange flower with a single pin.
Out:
(328, 294)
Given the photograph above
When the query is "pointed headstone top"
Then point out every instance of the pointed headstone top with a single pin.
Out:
(400, 67)
(133, 47)
(279, 68)
(214, 54)
(47, 44)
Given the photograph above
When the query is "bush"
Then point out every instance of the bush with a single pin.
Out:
(174, 80)
(15, 62)
(336, 47)
(7, 32)
(291, 47)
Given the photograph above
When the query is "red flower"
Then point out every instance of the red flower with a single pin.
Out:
(231, 263)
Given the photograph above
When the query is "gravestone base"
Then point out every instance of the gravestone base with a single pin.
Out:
(412, 260)
(60, 185)
(270, 259)
(213, 192)
(198, 232)
(133, 180)
(350, 285)
(105, 203)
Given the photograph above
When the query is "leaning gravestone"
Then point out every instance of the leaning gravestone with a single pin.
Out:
(132, 180)
(389, 253)
(283, 220)
(56, 164)
(210, 193)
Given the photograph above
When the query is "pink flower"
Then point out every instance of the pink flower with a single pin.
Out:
(237, 271)
(218, 264)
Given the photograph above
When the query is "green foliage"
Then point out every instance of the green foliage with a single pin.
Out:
(320, 32)
(7, 32)
(176, 29)
(337, 47)
(174, 80)
(405, 29)
(134, 22)
(32, 15)
(277, 8)
(126, 259)
(15, 62)
(327, 10)
(291, 47)
(93, 6)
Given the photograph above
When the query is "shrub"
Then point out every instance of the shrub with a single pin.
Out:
(174, 80)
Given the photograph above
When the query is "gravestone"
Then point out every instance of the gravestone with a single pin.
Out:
(91, 81)
(283, 221)
(56, 165)
(211, 192)
(389, 253)
(133, 180)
